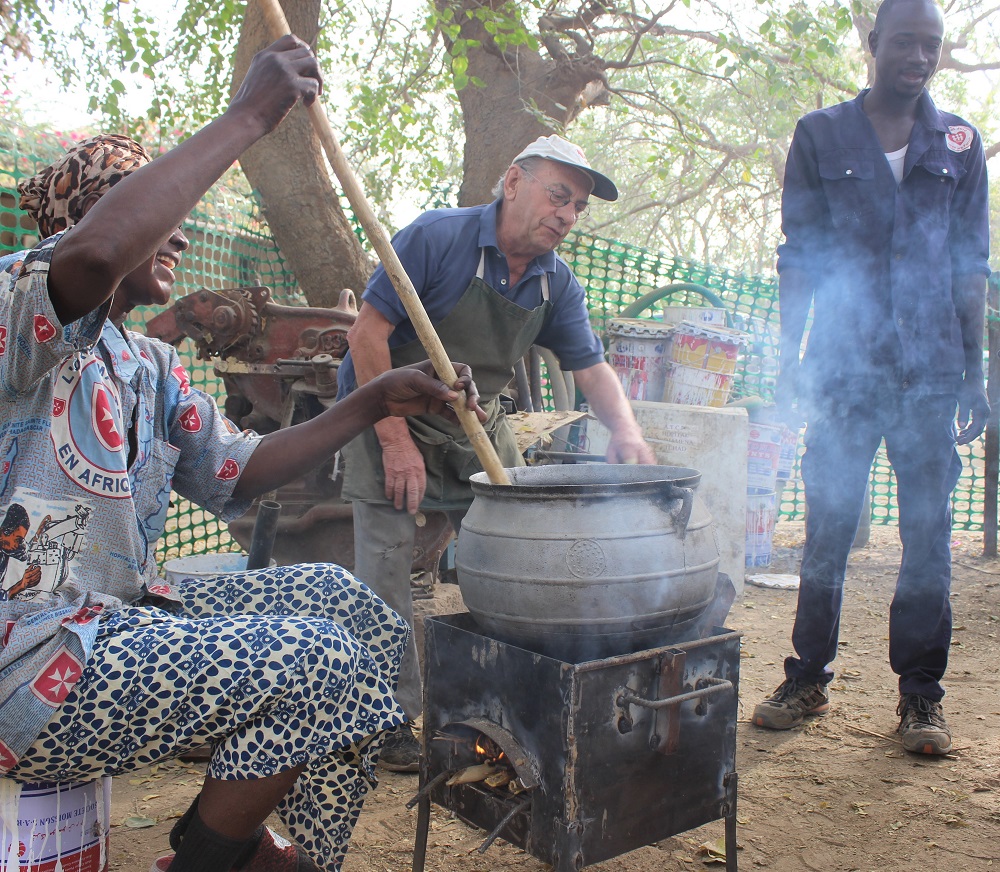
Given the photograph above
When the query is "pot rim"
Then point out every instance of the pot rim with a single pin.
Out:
(630, 477)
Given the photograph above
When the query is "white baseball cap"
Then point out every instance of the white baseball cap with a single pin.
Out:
(558, 149)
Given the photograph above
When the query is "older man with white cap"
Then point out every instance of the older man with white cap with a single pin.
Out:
(492, 285)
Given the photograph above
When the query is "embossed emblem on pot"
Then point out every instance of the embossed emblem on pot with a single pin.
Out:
(585, 559)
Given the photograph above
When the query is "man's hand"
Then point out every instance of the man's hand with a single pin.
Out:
(417, 390)
(628, 446)
(405, 476)
(973, 409)
(278, 77)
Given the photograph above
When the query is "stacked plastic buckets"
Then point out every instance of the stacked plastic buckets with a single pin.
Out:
(689, 357)
(770, 457)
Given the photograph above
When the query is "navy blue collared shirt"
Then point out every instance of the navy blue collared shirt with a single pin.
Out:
(882, 256)
(440, 252)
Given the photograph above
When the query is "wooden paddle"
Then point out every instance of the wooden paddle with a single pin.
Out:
(484, 449)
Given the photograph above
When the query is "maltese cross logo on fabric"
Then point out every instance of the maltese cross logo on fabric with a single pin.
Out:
(104, 419)
(7, 759)
(3, 338)
(159, 589)
(84, 615)
(56, 678)
(183, 379)
(58, 406)
(190, 420)
(44, 329)
(228, 471)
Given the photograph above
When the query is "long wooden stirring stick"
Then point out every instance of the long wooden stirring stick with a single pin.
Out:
(428, 337)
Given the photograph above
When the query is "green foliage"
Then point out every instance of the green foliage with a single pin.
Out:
(700, 100)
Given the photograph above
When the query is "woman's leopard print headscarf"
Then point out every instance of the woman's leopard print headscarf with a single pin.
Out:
(55, 197)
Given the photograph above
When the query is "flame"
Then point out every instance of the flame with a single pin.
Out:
(488, 750)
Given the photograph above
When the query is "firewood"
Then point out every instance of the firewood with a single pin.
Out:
(498, 779)
(471, 774)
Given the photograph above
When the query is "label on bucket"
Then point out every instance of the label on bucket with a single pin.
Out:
(763, 455)
(786, 457)
(703, 347)
(691, 386)
(640, 364)
(760, 526)
(62, 826)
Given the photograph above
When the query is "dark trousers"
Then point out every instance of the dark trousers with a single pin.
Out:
(841, 441)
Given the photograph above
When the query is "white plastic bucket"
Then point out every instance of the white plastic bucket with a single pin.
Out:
(49, 827)
(638, 352)
(692, 386)
(763, 455)
(204, 566)
(760, 526)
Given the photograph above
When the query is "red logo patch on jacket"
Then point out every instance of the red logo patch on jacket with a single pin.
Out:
(3, 338)
(58, 406)
(56, 678)
(228, 471)
(190, 420)
(959, 137)
(44, 329)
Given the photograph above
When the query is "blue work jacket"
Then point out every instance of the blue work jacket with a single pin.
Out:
(882, 257)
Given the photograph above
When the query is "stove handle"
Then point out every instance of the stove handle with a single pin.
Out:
(681, 515)
(711, 686)
(664, 737)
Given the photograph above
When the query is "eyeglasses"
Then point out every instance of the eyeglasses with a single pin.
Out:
(560, 198)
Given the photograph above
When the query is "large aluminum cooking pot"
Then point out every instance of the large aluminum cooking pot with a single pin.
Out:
(588, 560)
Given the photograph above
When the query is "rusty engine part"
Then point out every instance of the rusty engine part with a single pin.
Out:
(279, 365)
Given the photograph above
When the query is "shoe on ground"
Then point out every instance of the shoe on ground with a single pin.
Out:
(922, 725)
(400, 750)
(273, 854)
(791, 704)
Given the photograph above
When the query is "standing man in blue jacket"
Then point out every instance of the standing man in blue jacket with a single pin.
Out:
(885, 216)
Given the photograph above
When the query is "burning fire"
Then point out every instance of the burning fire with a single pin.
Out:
(488, 750)
(494, 769)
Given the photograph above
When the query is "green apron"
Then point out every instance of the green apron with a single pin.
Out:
(490, 333)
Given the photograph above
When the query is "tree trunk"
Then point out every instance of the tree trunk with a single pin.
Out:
(525, 96)
(289, 170)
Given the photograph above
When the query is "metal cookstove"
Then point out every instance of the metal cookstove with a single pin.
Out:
(578, 762)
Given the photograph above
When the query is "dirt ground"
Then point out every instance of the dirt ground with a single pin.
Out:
(838, 794)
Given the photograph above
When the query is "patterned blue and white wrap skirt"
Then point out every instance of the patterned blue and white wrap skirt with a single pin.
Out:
(274, 668)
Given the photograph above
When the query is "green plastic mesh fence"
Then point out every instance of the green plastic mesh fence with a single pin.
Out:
(230, 246)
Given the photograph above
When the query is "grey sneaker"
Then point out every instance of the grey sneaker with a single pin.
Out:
(400, 750)
(922, 725)
(790, 704)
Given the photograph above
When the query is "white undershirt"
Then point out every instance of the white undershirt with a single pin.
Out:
(896, 160)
